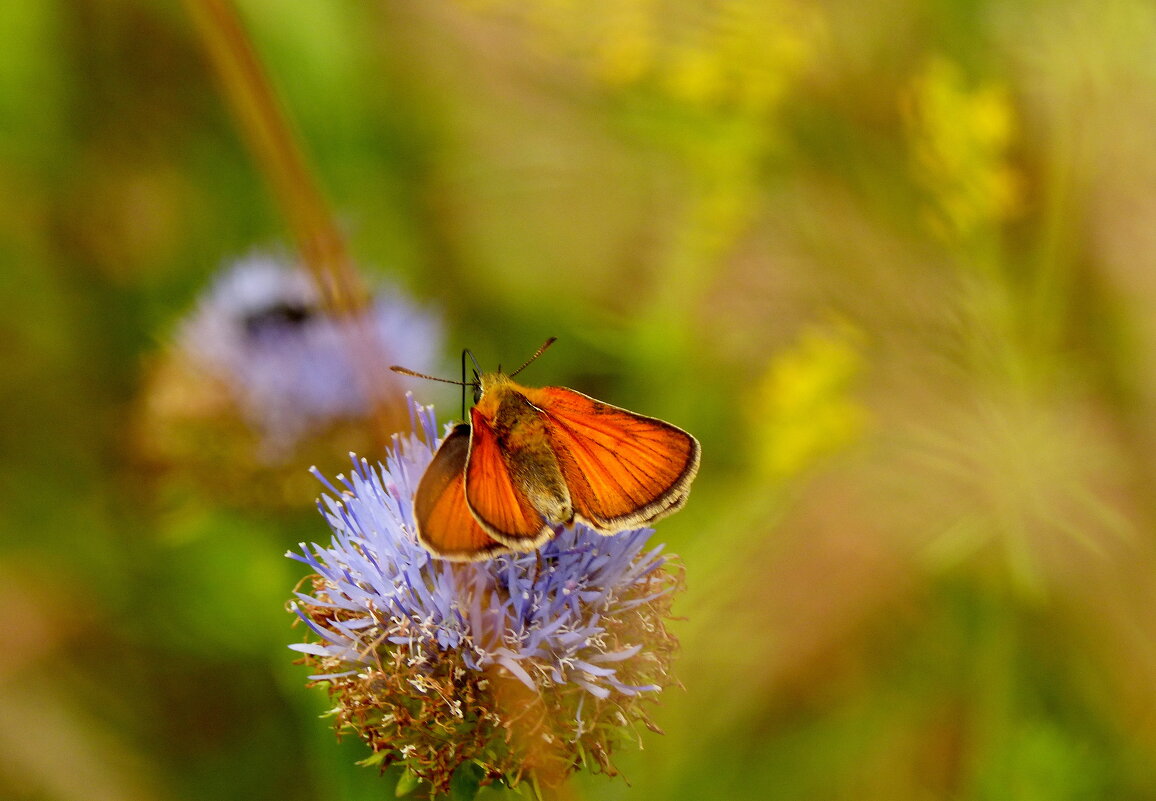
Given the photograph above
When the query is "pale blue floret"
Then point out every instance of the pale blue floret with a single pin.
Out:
(291, 375)
(543, 615)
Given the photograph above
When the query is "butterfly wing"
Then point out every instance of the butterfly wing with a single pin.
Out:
(623, 469)
(493, 493)
(445, 525)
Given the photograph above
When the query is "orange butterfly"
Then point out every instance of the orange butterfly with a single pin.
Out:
(531, 459)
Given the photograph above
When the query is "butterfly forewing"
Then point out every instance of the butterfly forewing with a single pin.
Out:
(494, 496)
(445, 525)
(622, 469)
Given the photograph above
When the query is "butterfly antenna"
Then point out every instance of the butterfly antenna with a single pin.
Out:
(477, 367)
(415, 374)
(465, 352)
(537, 353)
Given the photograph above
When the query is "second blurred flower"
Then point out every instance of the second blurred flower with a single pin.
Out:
(260, 373)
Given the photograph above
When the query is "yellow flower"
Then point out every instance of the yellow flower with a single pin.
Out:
(737, 54)
(804, 407)
(960, 137)
(626, 52)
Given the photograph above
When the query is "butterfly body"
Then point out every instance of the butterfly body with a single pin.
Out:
(519, 431)
(533, 459)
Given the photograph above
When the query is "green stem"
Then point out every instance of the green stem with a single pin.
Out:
(275, 147)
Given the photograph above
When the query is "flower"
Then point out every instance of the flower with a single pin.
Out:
(740, 55)
(530, 663)
(805, 406)
(960, 138)
(290, 367)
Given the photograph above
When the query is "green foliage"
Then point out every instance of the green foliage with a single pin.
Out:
(890, 263)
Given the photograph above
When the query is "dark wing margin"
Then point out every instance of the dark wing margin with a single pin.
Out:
(623, 469)
(445, 525)
(502, 509)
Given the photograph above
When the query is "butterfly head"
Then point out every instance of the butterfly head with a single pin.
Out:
(481, 382)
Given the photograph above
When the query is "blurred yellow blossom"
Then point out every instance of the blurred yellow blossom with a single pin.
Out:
(733, 54)
(628, 50)
(744, 55)
(960, 137)
(804, 407)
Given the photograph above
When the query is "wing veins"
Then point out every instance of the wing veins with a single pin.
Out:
(634, 469)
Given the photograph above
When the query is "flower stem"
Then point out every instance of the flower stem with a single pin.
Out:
(275, 147)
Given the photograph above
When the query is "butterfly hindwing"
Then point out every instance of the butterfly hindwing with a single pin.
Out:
(495, 497)
(445, 525)
(622, 469)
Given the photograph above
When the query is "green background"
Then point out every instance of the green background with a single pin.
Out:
(893, 264)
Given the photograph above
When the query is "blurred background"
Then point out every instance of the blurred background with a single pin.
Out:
(893, 263)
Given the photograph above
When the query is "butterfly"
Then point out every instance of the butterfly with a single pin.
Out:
(532, 459)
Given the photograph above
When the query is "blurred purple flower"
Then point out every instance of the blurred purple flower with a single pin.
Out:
(576, 623)
(261, 329)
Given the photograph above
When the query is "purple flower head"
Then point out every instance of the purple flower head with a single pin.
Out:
(289, 365)
(575, 630)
